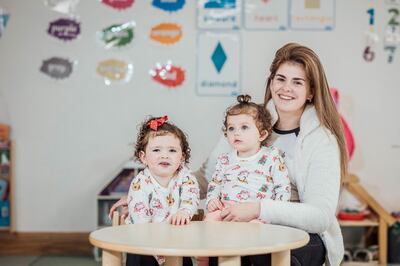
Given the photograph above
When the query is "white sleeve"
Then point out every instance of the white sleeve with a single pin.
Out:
(316, 211)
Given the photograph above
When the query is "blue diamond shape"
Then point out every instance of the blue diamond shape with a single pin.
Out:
(219, 57)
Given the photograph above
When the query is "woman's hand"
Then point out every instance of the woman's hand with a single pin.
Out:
(214, 204)
(122, 202)
(180, 218)
(240, 212)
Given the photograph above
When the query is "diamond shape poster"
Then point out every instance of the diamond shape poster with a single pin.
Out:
(218, 64)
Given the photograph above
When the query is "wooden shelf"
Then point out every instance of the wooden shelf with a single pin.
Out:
(358, 263)
(378, 218)
(366, 222)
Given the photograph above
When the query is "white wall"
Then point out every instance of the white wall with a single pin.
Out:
(72, 135)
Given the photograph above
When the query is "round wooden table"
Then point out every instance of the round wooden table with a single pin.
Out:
(226, 240)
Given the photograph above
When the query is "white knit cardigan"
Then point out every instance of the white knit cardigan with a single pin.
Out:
(316, 173)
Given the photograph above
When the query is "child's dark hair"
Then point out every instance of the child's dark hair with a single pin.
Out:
(157, 126)
(260, 115)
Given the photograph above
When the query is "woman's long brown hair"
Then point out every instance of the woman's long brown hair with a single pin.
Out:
(322, 99)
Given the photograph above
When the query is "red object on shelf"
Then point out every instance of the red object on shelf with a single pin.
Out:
(351, 216)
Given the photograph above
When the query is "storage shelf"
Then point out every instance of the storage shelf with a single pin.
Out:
(366, 222)
(110, 197)
(357, 263)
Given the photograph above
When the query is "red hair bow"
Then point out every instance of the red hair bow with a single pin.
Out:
(156, 122)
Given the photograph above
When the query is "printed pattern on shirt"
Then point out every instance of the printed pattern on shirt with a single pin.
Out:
(264, 175)
(149, 202)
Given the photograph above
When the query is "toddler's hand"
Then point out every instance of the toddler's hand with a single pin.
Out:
(214, 204)
(180, 218)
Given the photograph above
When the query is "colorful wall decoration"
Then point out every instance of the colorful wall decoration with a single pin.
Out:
(166, 33)
(62, 6)
(169, 6)
(114, 70)
(64, 29)
(117, 35)
(119, 4)
(168, 74)
(57, 67)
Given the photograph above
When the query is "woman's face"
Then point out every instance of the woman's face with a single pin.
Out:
(290, 89)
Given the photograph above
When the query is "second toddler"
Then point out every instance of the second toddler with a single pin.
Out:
(253, 171)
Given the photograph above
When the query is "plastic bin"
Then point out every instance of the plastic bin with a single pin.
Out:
(4, 213)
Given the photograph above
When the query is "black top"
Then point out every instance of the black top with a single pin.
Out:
(284, 132)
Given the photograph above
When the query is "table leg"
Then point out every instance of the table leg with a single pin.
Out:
(229, 261)
(173, 261)
(111, 258)
(281, 258)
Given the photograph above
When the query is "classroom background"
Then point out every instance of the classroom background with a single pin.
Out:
(77, 77)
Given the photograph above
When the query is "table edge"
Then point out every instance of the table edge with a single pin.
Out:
(197, 252)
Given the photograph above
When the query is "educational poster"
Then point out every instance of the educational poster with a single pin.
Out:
(392, 2)
(218, 64)
(4, 17)
(219, 14)
(312, 14)
(266, 15)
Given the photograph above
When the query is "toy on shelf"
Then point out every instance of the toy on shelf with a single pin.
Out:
(352, 215)
(119, 186)
(378, 217)
(4, 132)
(347, 131)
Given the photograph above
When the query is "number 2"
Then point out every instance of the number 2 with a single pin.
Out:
(393, 21)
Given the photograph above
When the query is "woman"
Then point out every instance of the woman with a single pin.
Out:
(307, 129)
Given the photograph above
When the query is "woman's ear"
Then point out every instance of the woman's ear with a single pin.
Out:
(263, 135)
(142, 157)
